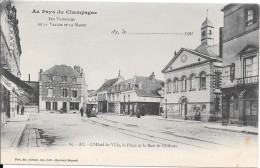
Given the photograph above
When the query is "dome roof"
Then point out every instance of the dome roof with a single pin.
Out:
(206, 23)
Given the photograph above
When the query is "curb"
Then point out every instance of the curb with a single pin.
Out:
(177, 120)
(19, 136)
(230, 130)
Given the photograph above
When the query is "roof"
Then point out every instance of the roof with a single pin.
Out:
(204, 51)
(17, 81)
(206, 23)
(145, 86)
(228, 6)
(62, 70)
(149, 88)
(92, 93)
(107, 84)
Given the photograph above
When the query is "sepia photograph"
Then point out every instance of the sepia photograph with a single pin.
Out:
(155, 84)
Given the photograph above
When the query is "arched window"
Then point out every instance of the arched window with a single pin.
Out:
(175, 84)
(192, 81)
(202, 80)
(184, 83)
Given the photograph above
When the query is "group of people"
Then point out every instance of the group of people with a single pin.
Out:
(87, 111)
(22, 109)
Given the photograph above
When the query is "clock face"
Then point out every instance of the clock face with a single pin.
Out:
(183, 58)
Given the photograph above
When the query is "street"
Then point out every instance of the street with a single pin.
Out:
(63, 130)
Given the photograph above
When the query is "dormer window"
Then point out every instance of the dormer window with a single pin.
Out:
(64, 78)
(74, 80)
(50, 78)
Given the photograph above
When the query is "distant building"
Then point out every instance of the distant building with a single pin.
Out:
(33, 97)
(136, 94)
(241, 63)
(62, 88)
(11, 86)
(92, 99)
(102, 94)
(193, 80)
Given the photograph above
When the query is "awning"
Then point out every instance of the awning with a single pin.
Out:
(8, 75)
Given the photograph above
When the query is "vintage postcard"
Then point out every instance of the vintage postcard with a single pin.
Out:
(129, 83)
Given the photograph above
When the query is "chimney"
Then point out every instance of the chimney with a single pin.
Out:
(152, 76)
(29, 78)
(40, 76)
(77, 68)
(175, 52)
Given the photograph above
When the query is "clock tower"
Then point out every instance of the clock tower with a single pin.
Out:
(207, 32)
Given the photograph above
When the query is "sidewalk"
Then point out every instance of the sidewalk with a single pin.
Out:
(12, 131)
(244, 129)
(209, 125)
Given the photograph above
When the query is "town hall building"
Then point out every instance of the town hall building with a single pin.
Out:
(193, 80)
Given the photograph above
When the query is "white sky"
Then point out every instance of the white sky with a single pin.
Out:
(98, 52)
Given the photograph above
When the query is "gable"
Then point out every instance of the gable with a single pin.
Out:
(248, 49)
(184, 58)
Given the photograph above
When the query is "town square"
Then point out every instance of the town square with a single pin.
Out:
(85, 76)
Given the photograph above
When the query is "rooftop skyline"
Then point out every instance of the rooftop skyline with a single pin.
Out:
(152, 36)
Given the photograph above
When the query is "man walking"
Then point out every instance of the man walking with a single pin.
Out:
(81, 111)
(17, 108)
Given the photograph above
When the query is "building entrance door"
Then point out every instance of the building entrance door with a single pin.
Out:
(251, 112)
(64, 107)
(184, 107)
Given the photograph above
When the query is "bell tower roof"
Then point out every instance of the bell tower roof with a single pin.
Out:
(207, 23)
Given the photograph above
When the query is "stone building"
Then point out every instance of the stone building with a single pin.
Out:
(240, 40)
(62, 88)
(102, 93)
(136, 94)
(193, 80)
(11, 86)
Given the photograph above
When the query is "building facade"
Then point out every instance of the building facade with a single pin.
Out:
(240, 63)
(92, 99)
(62, 88)
(193, 80)
(11, 86)
(140, 93)
(102, 93)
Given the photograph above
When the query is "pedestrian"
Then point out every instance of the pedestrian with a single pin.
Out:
(81, 111)
(22, 110)
(88, 111)
(138, 114)
(17, 108)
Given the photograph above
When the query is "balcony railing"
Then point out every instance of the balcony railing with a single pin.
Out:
(247, 80)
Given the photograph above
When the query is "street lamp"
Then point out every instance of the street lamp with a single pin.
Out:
(166, 109)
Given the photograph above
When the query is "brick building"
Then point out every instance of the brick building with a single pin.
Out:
(62, 88)
(193, 78)
(240, 63)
